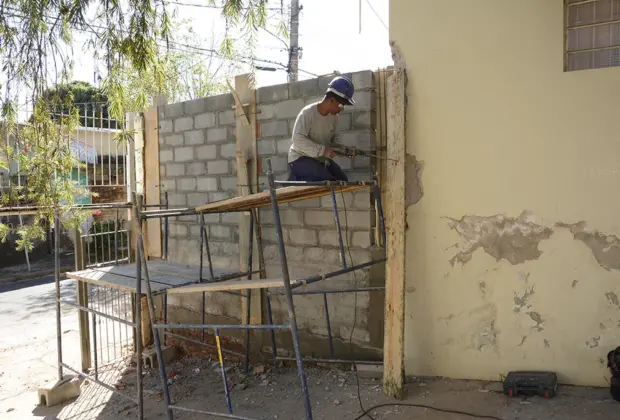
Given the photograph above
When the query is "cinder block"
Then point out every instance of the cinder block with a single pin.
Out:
(205, 120)
(322, 255)
(218, 196)
(269, 234)
(58, 392)
(194, 137)
(168, 185)
(174, 140)
(289, 109)
(363, 101)
(319, 218)
(166, 156)
(265, 112)
(186, 184)
(195, 106)
(288, 217)
(342, 200)
(165, 126)
(266, 147)
(177, 199)
(196, 198)
(228, 150)
(183, 124)
(363, 80)
(304, 88)
(173, 110)
(344, 122)
(149, 356)
(361, 200)
(229, 183)
(279, 164)
(274, 129)
(364, 119)
(370, 371)
(217, 135)
(206, 183)
(196, 168)
(220, 231)
(162, 170)
(206, 152)
(212, 218)
(362, 162)
(283, 145)
(330, 237)
(183, 154)
(178, 230)
(361, 139)
(273, 93)
(299, 236)
(217, 167)
(219, 102)
(227, 117)
(357, 219)
(175, 169)
(312, 203)
(360, 239)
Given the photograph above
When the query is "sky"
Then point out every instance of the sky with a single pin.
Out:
(329, 30)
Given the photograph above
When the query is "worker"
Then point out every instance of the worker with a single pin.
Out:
(310, 157)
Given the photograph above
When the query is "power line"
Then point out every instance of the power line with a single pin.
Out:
(377, 14)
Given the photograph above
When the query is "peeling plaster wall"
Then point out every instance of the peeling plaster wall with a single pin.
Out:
(513, 256)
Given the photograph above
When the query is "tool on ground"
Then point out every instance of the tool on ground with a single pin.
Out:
(221, 359)
(352, 152)
(544, 384)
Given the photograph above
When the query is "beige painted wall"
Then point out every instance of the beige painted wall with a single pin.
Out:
(501, 129)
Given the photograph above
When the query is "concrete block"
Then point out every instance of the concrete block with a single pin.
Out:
(149, 356)
(173, 110)
(312, 203)
(196, 198)
(342, 200)
(330, 238)
(229, 183)
(266, 147)
(370, 371)
(361, 200)
(219, 195)
(219, 102)
(320, 218)
(360, 239)
(195, 106)
(289, 109)
(273, 93)
(269, 235)
(166, 156)
(162, 170)
(364, 119)
(194, 137)
(219, 231)
(274, 129)
(175, 169)
(227, 117)
(230, 218)
(174, 140)
(362, 162)
(206, 152)
(58, 392)
(361, 139)
(217, 167)
(228, 150)
(217, 135)
(183, 154)
(363, 80)
(176, 199)
(304, 88)
(190, 218)
(204, 120)
(283, 145)
(279, 164)
(206, 183)
(265, 112)
(165, 126)
(357, 219)
(344, 122)
(322, 255)
(363, 101)
(196, 168)
(183, 124)
(186, 184)
(168, 185)
(179, 230)
(299, 236)
(212, 218)
(288, 217)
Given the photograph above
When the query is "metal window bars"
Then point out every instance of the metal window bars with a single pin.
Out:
(289, 290)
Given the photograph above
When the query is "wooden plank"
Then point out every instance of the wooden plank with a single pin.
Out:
(126, 283)
(228, 285)
(393, 347)
(247, 181)
(135, 171)
(82, 294)
(152, 233)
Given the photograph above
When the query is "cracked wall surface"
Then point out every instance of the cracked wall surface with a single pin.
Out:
(489, 287)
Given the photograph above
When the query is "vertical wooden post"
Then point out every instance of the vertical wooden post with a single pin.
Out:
(393, 346)
(82, 292)
(247, 180)
(152, 233)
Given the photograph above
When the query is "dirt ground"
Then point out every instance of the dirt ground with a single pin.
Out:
(197, 383)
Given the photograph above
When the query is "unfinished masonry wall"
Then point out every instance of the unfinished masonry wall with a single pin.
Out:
(198, 164)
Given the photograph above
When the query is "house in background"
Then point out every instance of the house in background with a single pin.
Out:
(512, 143)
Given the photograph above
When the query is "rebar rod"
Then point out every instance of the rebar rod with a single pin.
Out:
(223, 326)
(319, 277)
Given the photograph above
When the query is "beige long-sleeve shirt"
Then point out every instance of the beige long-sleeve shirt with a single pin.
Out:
(312, 132)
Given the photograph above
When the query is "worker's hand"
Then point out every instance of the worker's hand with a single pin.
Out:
(329, 153)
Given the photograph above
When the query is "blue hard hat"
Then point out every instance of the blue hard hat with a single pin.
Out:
(342, 87)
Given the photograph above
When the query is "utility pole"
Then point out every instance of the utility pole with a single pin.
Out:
(293, 60)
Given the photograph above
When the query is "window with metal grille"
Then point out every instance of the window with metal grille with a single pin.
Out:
(592, 34)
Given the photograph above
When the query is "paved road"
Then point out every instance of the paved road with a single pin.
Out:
(28, 353)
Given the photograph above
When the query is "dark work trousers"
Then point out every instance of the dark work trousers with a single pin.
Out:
(310, 169)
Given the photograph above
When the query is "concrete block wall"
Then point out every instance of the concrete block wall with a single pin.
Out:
(197, 165)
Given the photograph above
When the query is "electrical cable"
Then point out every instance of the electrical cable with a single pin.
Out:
(377, 14)
(441, 410)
